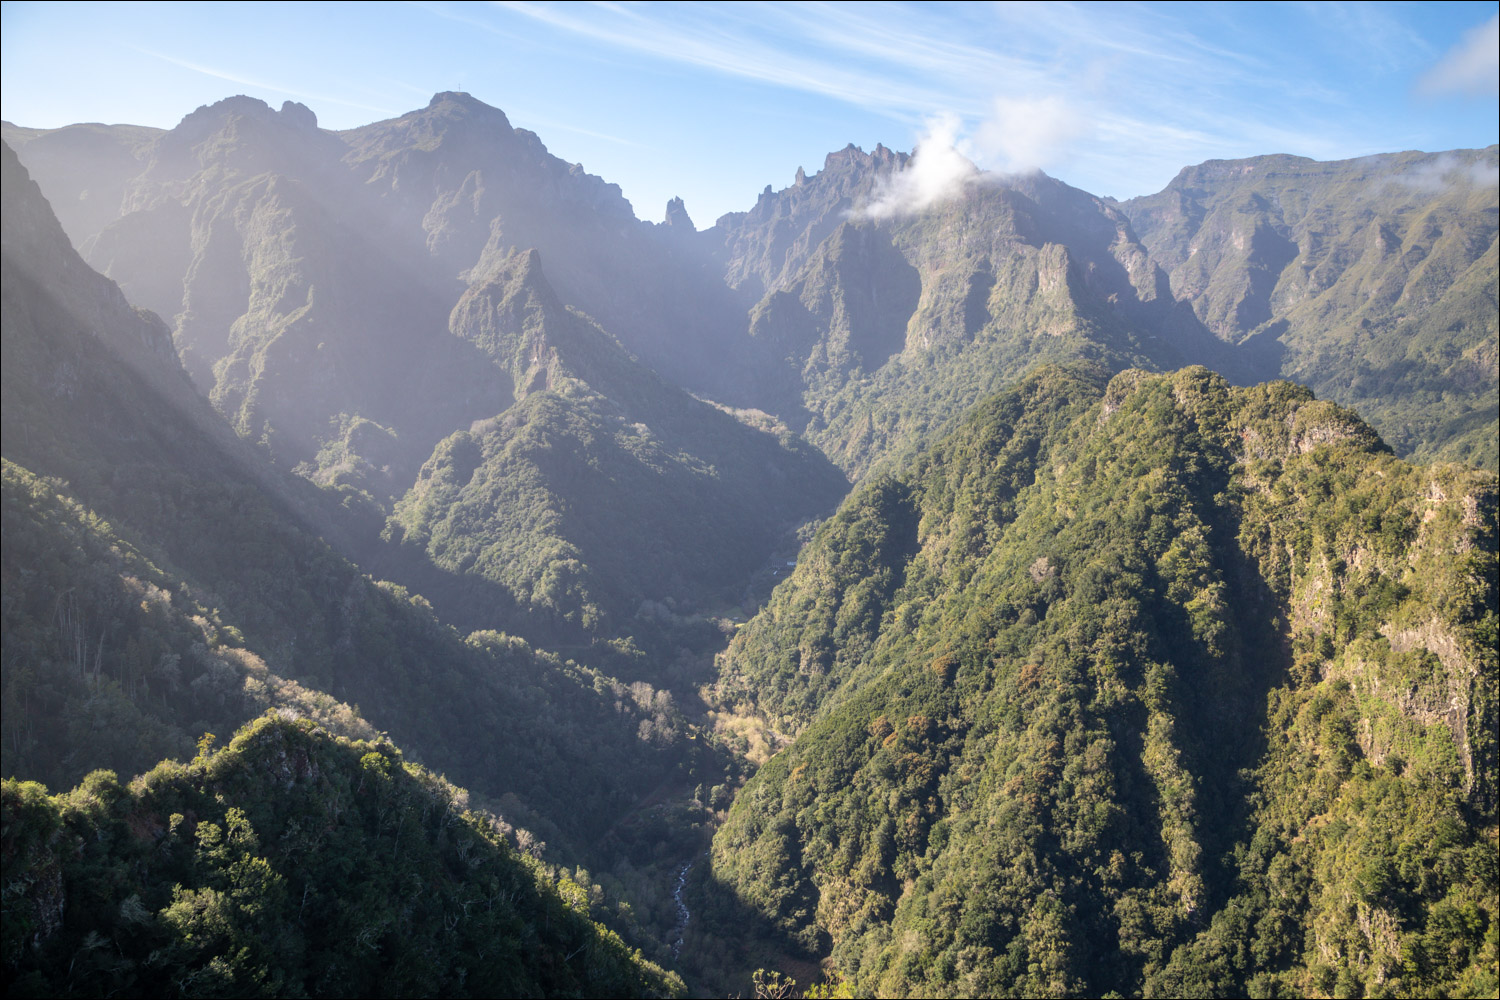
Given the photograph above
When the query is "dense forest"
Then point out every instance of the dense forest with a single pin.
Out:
(1156, 687)
(291, 861)
(422, 576)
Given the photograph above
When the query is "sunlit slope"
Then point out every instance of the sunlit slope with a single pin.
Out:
(603, 485)
(362, 304)
(1149, 686)
(291, 861)
(870, 330)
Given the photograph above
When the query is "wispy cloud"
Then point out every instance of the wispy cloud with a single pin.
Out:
(1471, 68)
(529, 121)
(1111, 95)
(1019, 136)
(1447, 170)
(1029, 134)
(732, 42)
(255, 84)
(914, 62)
(1372, 30)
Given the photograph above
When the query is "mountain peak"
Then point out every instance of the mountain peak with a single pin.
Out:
(677, 216)
(239, 104)
(855, 158)
(209, 117)
(299, 115)
(466, 104)
(454, 97)
(849, 154)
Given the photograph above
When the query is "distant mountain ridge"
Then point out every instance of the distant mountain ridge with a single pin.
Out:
(1373, 281)
(754, 311)
(352, 301)
(871, 333)
(390, 310)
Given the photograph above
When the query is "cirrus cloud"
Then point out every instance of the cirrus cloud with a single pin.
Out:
(1472, 67)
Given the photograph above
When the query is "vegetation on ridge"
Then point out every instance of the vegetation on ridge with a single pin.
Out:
(1161, 687)
(290, 861)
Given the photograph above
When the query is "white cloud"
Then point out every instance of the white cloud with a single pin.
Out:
(1019, 136)
(1447, 170)
(1023, 135)
(1471, 67)
(1133, 91)
(936, 172)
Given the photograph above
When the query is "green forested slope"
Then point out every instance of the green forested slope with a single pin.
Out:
(162, 580)
(108, 661)
(1155, 687)
(112, 661)
(290, 862)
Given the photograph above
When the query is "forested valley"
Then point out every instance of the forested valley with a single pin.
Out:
(422, 576)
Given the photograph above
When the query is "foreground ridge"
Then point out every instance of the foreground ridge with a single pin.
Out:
(1155, 686)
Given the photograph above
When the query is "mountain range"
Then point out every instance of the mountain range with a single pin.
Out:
(1108, 662)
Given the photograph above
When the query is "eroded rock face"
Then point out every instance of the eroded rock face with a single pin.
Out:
(677, 216)
(1446, 698)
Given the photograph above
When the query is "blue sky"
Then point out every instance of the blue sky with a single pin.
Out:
(713, 102)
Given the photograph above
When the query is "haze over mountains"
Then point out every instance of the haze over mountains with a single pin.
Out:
(251, 361)
(1257, 247)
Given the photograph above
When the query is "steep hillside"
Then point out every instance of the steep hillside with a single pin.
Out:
(85, 169)
(159, 572)
(299, 265)
(1371, 280)
(456, 177)
(1157, 687)
(108, 661)
(291, 303)
(291, 861)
